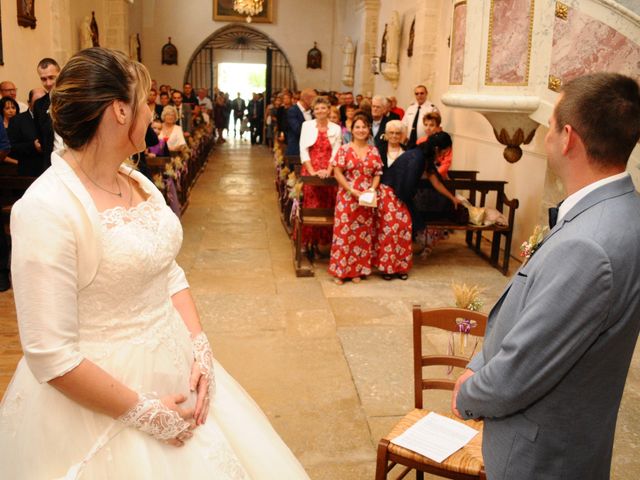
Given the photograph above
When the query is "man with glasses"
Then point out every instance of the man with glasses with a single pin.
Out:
(8, 89)
(412, 119)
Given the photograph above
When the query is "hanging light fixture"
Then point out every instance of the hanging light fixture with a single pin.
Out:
(250, 8)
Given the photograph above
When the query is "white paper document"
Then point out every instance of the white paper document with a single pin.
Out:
(435, 437)
(367, 198)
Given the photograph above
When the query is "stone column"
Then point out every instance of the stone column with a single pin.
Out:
(116, 34)
(369, 11)
(426, 41)
(61, 31)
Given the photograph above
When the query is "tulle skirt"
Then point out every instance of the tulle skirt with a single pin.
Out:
(46, 436)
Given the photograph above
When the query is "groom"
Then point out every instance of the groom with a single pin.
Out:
(550, 376)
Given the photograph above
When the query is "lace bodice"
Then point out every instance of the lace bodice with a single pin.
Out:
(129, 293)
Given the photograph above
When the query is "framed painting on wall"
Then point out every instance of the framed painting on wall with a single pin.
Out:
(223, 12)
(26, 13)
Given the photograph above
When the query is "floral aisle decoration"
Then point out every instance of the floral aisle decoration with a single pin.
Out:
(468, 298)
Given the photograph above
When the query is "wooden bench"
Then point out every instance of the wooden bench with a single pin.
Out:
(310, 217)
(478, 191)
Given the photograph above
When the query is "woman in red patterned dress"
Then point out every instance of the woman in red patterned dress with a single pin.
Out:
(319, 143)
(357, 168)
(392, 254)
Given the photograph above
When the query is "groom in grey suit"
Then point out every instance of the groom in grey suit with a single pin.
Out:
(549, 379)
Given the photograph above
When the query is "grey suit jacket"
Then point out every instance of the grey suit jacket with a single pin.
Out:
(551, 373)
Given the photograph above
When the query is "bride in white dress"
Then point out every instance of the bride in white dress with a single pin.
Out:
(118, 380)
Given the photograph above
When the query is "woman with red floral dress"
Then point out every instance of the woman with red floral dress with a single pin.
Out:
(357, 168)
(319, 143)
(392, 253)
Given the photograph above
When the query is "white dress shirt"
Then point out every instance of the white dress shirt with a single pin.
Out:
(573, 199)
(410, 114)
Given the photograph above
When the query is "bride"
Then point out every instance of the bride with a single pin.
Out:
(117, 379)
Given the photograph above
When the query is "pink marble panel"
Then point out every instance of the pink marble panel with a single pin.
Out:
(510, 34)
(602, 48)
(457, 50)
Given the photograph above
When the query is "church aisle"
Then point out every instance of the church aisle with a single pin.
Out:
(329, 365)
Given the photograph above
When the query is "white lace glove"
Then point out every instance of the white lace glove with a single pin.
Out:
(151, 416)
(203, 357)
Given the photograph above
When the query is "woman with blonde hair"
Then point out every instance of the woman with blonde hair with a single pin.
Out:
(117, 371)
(319, 143)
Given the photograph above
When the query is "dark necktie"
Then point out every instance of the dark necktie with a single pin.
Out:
(413, 137)
(553, 215)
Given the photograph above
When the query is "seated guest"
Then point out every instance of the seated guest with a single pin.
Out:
(165, 100)
(378, 120)
(171, 133)
(319, 143)
(350, 112)
(431, 122)
(357, 168)
(199, 117)
(183, 111)
(204, 101)
(151, 103)
(160, 149)
(392, 252)
(25, 146)
(9, 108)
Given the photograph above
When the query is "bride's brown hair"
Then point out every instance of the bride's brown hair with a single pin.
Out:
(91, 81)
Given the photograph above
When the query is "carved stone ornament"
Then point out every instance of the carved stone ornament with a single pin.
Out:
(412, 35)
(169, 54)
(95, 34)
(348, 62)
(512, 130)
(554, 83)
(314, 57)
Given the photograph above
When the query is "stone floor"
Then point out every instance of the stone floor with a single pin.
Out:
(330, 365)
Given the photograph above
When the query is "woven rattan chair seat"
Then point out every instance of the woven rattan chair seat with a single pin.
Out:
(468, 460)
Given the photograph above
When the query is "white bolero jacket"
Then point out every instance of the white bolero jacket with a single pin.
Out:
(55, 230)
(309, 135)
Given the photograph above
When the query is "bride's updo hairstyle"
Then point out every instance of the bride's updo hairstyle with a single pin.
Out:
(87, 85)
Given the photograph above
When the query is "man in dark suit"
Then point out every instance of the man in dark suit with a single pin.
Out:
(296, 115)
(256, 118)
(184, 112)
(238, 107)
(379, 121)
(48, 71)
(347, 99)
(25, 146)
(551, 373)
(5, 147)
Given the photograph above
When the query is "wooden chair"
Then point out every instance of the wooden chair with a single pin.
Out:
(465, 464)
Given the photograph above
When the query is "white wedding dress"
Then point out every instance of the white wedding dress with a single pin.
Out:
(128, 326)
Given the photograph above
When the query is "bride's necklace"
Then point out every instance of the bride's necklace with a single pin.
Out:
(117, 194)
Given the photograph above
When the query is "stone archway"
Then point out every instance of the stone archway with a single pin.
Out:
(200, 70)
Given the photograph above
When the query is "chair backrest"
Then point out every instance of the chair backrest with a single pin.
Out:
(457, 320)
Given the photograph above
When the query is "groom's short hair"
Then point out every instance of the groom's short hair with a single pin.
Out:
(604, 109)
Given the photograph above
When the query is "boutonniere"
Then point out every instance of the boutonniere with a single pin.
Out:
(528, 248)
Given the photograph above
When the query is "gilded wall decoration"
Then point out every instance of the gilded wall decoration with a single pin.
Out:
(602, 48)
(509, 46)
(223, 12)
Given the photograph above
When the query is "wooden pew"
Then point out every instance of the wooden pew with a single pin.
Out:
(310, 217)
(11, 189)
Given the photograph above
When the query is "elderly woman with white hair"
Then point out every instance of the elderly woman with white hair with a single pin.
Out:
(392, 254)
(171, 133)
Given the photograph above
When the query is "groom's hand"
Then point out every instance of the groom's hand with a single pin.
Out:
(461, 379)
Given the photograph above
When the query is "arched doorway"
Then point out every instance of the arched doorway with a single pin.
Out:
(201, 70)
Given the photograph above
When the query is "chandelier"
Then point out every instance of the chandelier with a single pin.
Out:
(250, 8)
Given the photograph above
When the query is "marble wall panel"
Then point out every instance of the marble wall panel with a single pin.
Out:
(457, 43)
(509, 42)
(602, 48)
